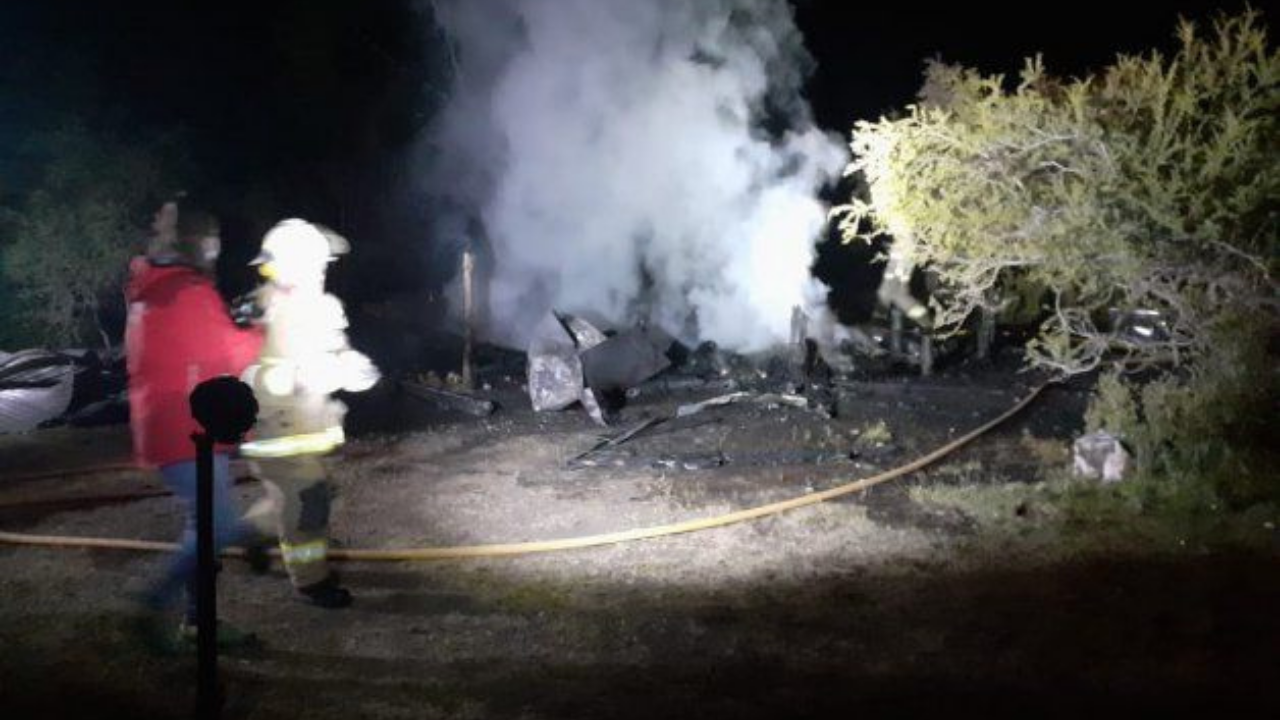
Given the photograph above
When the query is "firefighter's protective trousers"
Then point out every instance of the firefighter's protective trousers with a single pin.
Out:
(296, 509)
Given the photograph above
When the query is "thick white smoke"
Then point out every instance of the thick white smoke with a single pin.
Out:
(636, 158)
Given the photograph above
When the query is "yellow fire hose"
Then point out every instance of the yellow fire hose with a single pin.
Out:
(583, 541)
(114, 467)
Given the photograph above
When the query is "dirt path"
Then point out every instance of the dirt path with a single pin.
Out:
(876, 604)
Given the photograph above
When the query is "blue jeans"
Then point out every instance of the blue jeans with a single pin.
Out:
(227, 529)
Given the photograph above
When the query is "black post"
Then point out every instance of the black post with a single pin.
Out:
(226, 409)
(207, 700)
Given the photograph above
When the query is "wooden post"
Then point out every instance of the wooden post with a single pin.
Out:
(926, 353)
(986, 332)
(895, 332)
(468, 313)
(799, 347)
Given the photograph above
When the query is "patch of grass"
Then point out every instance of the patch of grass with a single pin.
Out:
(875, 433)
(990, 505)
(1175, 512)
(966, 472)
(1048, 452)
(1070, 516)
(525, 597)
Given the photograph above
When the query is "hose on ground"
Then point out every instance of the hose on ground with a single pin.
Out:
(583, 541)
(113, 467)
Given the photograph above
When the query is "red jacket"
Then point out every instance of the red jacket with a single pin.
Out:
(179, 335)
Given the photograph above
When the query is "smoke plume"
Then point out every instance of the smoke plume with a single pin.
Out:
(632, 159)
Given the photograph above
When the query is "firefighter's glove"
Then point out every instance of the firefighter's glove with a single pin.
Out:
(278, 380)
(358, 371)
(245, 310)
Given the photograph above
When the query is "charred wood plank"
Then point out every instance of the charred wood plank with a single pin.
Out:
(449, 400)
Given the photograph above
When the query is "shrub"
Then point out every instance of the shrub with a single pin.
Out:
(1150, 190)
(69, 240)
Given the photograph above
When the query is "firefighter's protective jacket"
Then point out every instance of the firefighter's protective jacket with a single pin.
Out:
(305, 358)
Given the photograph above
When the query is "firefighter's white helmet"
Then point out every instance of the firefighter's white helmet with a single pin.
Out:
(296, 248)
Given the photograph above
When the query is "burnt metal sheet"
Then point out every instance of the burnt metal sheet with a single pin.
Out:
(584, 333)
(555, 372)
(592, 405)
(1101, 455)
(571, 360)
(626, 359)
(461, 402)
(35, 386)
(771, 399)
(1141, 326)
(668, 385)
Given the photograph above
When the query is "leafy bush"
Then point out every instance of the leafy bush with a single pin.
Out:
(1212, 420)
(68, 243)
(1150, 190)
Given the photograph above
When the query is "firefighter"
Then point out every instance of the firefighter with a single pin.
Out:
(179, 334)
(305, 358)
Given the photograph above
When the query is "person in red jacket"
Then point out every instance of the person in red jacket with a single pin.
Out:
(180, 334)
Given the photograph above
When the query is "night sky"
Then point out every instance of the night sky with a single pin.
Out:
(870, 58)
(321, 101)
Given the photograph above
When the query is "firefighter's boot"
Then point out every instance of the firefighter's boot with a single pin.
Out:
(229, 637)
(327, 593)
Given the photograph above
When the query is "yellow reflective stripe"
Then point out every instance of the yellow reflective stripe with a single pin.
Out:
(308, 552)
(917, 312)
(316, 442)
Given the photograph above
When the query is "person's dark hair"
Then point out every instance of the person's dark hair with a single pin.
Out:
(194, 220)
(181, 242)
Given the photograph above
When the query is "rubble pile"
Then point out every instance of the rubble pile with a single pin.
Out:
(39, 388)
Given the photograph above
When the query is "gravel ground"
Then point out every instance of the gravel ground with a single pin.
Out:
(870, 604)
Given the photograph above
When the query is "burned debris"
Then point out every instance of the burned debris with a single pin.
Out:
(686, 397)
(570, 360)
(1100, 455)
(40, 387)
(35, 387)
(448, 399)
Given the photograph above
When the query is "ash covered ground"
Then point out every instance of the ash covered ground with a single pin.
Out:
(888, 602)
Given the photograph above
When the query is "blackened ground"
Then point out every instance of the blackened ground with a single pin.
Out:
(873, 605)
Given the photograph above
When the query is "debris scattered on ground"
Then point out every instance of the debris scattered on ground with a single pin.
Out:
(619, 438)
(876, 433)
(1101, 455)
(720, 400)
(570, 360)
(449, 399)
(698, 461)
(452, 381)
(35, 387)
(1141, 326)
(626, 359)
(40, 388)
(610, 458)
(555, 371)
(667, 385)
(773, 399)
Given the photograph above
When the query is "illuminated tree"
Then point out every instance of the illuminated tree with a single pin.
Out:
(1151, 188)
(68, 243)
